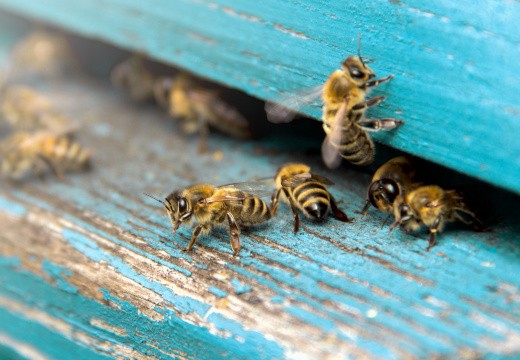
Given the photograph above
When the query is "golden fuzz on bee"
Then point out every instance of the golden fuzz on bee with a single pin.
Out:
(207, 206)
(432, 207)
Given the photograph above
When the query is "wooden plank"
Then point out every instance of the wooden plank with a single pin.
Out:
(459, 99)
(88, 265)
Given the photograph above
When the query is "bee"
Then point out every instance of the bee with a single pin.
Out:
(23, 152)
(186, 98)
(306, 192)
(345, 101)
(206, 206)
(432, 207)
(132, 76)
(24, 109)
(395, 177)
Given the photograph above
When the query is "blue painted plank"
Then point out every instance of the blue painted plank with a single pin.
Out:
(459, 101)
(369, 293)
(91, 256)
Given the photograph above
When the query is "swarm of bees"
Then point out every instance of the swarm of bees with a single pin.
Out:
(183, 97)
(396, 188)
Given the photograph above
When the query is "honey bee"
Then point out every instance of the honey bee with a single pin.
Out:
(185, 98)
(345, 101)
(208, 206)
(432, 207)
(395, 177)
(306, 192)
(132, 76)
(24, 109)
(23, 152)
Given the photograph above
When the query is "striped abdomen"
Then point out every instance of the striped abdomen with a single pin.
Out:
(252, 210)
(312, 198)
(354, 143)
(64, 153)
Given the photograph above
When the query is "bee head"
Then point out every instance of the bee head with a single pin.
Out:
(358, 71)
(177, 207)
(382, 194)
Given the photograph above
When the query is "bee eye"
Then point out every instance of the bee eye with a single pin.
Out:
(355, 72)
(183, 205)
(390, 189)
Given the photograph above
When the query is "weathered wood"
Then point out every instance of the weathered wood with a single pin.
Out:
(455, 84)
(88, 265)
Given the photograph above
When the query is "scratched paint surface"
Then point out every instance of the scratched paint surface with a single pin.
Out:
(88, 264)
(455, 83)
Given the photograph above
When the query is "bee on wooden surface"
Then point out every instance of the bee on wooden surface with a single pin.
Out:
(23, 152)
(24, 109)
(132, 76)
(344, 97)
(41, 53)
(199, 107)
(395, 177)
(432, 207)
(239, 205)
(306, 192)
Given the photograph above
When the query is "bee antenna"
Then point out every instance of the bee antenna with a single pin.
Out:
(359, 50)
(153, 197)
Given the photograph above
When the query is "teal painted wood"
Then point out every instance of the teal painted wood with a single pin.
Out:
(88, 264)
(455, 82)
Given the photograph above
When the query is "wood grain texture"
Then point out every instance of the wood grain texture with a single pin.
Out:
(88, 265)
(456, 83)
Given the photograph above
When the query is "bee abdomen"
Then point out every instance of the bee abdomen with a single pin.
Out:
(70, 155)
(313, 199)
(356, 146)
(254, 211)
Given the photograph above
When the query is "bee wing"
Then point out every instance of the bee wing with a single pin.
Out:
(285, 108)
(297, 179)
(329, 149)
(254, 188)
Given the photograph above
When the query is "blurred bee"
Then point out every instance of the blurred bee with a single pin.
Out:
(306, 192)
(24, 152)
(208, 206)
(344, 105)
(24, 109)
(432, 207)
(41, 53)
(200, 107)
(395, 177)
(132, 76)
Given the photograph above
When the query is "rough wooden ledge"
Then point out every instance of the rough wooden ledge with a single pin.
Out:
(88, 265)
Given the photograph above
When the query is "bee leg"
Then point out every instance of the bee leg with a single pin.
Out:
(203, 135)
(376, 82)
(433, 239)
(194, 236)
(379, 124)
(337, 213)
(294, 210)
(365, 209)
(234, 231)
(368, 103)
(274, 201)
